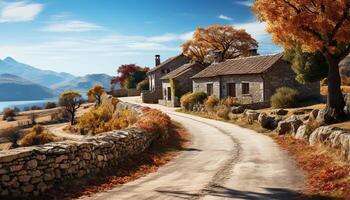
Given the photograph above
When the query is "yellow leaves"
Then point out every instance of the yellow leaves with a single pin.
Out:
(309, 22)
(231, 42)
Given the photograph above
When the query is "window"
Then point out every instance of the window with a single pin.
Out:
(245, 88)
(231, 89)
(210, 89)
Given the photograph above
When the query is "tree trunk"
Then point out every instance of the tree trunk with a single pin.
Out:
(72, 118)
(335, 101)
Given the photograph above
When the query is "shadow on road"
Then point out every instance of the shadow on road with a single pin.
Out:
(224, 192)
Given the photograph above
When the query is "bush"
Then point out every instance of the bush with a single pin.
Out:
(102, 119)
(35, 108)
(60, 115)
(143, 85)
(12, 134)
(8, 113)
(50, 105)
(36, 136)
(284, 97)
(190, 99)
(230, 101)
(210, 103)
(222, 111)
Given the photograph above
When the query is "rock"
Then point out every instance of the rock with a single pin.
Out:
(61, 158)
(100, 158)
(320, 116)
(48, 177)
(345, 146)
(3, 171)
(27, 188)
(289, 125)
(32, 164)
(15, 168)
(321, 134)
(313, 114)
(347, 103)
(41, 187)
(251, 115)
(5, 178)
(266, 121)
(24, 178)
(302, 133)
(283, 127)
(279, 112)
(237, 109)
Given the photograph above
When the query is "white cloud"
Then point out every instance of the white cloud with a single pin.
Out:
(247, 3)
(19, 11)
(171, 37)
(224, 17)
(258, 31)
(71, 26)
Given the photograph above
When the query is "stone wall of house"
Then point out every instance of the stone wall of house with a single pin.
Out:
(281, 74)
(155, 76)
(200, 85)
(151, 96)
(32, 170)
(256, 87)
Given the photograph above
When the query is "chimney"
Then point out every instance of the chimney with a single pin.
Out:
(218, 56)
(253, 52)
(157, 57)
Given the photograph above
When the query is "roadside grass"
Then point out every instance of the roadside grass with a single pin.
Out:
(327, 176)
(130, 169)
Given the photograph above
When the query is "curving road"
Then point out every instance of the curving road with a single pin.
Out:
(223, 161)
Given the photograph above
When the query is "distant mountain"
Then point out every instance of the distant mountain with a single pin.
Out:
(84, 83)
(15, 88)
(43, 77)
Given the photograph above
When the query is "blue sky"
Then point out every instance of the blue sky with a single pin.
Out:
(95, 36)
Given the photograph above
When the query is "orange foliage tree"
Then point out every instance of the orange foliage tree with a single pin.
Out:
(229, 41)
(319, 26)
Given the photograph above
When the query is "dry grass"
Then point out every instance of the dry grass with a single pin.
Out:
(326, 175)
(36, 136)
(344, 89)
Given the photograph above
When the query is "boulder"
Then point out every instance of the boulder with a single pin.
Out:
(266, 121)
(313, 114)
(290, 125)
(347, 103)
(321, 135)
(279, 112)
(345, 146)
(251, 115)
(237, 109)
(302, 133)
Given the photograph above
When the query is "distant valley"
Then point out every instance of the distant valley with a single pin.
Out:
(19, 81)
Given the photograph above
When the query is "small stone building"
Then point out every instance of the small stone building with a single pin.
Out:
(250, 79)
(182, 83)
(155, 74)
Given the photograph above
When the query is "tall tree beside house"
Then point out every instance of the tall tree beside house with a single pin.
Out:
(309, 67)
(71, 101)
(129, 75)
(318, 25)
(95, 94)
(229, 41)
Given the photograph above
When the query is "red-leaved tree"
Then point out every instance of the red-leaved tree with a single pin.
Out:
(129, 75)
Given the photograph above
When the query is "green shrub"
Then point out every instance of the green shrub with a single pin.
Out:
(210, 103)
(190, 99)
(143, 85)
(222, 111)
(285, 97)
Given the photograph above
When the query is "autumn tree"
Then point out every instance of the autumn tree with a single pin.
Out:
(318, 25)
(229, 41)
(308, 67)
(130, 75)
(95, 93)
(71, 101)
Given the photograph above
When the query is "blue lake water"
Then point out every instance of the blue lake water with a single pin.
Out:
(23, 104)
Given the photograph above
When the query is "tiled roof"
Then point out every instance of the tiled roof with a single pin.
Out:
(246, 65)
(181, 70)
(167, 61)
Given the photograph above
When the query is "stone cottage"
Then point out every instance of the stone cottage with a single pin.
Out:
(250, 79)
(181, 81)
(155, 74)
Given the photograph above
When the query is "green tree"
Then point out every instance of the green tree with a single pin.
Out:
(71, 101)
(309, 67)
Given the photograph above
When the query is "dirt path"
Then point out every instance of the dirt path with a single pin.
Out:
(223, 161)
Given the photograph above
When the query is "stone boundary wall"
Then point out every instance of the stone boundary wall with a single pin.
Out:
(125, 92)
(32, 170)
(151, 96)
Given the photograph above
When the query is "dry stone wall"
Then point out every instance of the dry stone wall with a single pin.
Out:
(32, 170)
